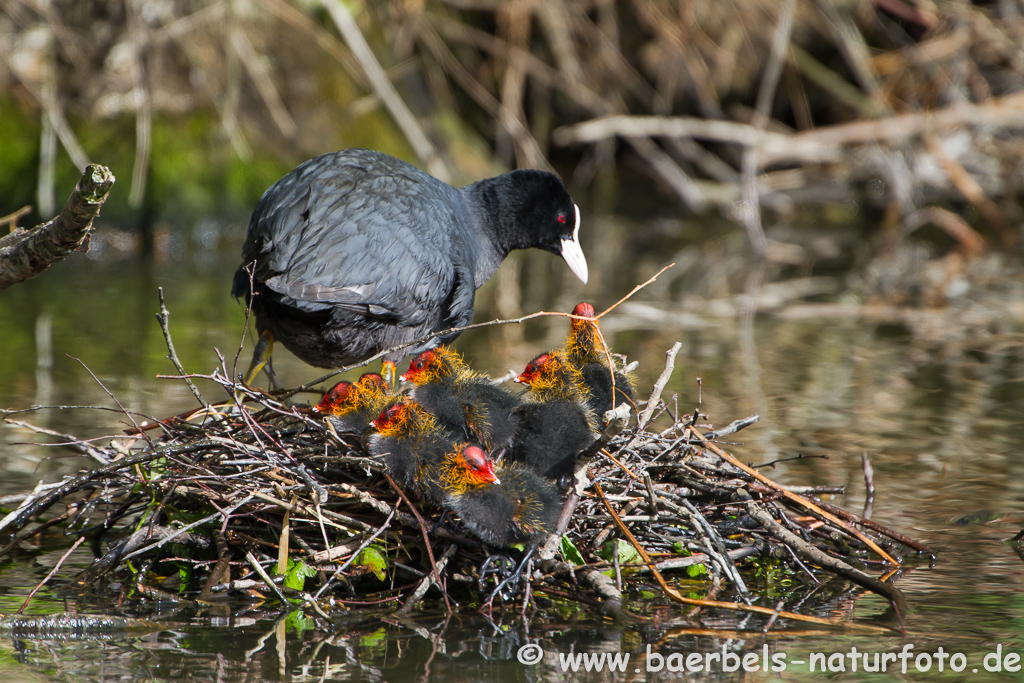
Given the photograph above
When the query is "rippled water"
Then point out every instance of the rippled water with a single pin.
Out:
(932, 397)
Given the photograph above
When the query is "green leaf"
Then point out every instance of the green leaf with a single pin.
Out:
(625, 551)
(298, 572)
(372, 558)
(571, 553)
(375, 638)
(695, 570)
(298, 622)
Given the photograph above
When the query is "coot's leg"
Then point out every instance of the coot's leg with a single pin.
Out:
(445, 522)
(503, 564)
(512, 579)
(260, 357)
(268, 368)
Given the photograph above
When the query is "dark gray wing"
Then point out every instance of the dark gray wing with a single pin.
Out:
(362, 232)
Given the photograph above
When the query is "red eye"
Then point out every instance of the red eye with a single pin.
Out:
(561, 218)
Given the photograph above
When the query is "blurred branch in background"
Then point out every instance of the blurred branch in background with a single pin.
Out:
(26, 253)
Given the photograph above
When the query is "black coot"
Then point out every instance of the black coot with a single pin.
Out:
(356, 251)
(461, 399)
(518, 506)
(556, 425)
(584, 352)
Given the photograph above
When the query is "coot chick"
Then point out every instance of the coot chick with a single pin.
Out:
(406, 438)
(463, 399)
(586, 354)
(557, 424)
(355, 252)
(413, 447)
(350, 407)
(520, 508)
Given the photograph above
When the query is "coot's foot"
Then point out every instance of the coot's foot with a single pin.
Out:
(508, 586)
(261, 361)
(498, 564)
(448, 524)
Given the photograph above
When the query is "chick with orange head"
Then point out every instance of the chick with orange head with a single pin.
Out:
(556, 424)
(350, 406)
(607, 387)
(462, 399)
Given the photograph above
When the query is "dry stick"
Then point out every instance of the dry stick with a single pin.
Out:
(163, 317)
(597, 327)
(426, 539)
(971, 190)
(659, 386)
(12, 219)
(869, 484)
(793, 496)
(773, 617)
(880, 528)
(424, 584)
(29, 509)
(679, 597)
(137, 36)
(284, 539)
(50, 575)
(957, 228)
(819, 557)
(79, 445)
(113, 398)
(733, 427)
(818, 145)
(717, 545)
(752, 211)
(266, 577)
(381, 84)
(24, 254)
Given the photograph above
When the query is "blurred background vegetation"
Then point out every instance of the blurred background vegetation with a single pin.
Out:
(198, 106)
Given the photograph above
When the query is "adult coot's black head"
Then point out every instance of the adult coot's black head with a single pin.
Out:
(356, 252)
(532, 208)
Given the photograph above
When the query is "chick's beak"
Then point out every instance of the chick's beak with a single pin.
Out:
(573, 254)
(489, 474)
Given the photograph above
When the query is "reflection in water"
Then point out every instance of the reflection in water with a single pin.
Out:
(933, 397)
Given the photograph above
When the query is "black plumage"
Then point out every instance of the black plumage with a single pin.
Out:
(463, 400)
(521, 507)
(355, 251)
(557, 424)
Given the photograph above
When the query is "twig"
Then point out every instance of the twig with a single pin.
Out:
(679, 597)
(659, 386)
(426, 539)
(869, 485)
(421, 588)
(24, 254)
(751, 213)
(124, 410)
(49, 576)
(732, 427)
(164, 317)
(266, 577)
(757, 511)
(381, 84)
(794, 497)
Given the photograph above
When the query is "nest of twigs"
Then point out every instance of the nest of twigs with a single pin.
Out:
(257, 498)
